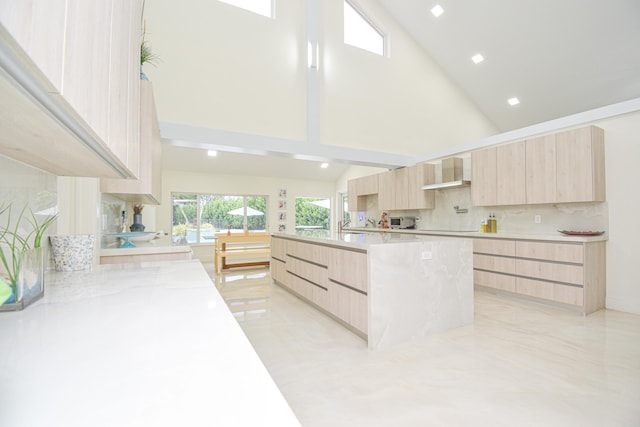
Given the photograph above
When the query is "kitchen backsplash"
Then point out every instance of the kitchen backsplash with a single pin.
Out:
(512, 219)
(22, 185)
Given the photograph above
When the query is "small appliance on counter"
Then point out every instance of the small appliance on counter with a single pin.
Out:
(402, 222)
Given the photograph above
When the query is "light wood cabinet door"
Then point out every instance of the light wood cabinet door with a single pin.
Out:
(278, 248)
(510, 174)
(580, 165)
(488, 279)
(401, 188)
(38, 26)
(541, 169)
(148, 187)
(87, 58)
(367, 185)
(551, 251)
(386, 198)
(495, 247)
(349, 268)
(419, 175)
(483, 177)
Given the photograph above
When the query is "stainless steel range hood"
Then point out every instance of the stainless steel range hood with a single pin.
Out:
(452, 175)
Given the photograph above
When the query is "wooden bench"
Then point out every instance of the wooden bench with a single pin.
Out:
(241, 245)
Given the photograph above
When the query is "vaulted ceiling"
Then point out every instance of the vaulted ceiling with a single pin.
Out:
(557, 57)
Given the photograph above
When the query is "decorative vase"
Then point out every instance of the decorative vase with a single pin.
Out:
(30, 281)
(137, 223)
(73, 252)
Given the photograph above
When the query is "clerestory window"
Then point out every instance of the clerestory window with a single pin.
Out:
(360, 32)
(261, 7)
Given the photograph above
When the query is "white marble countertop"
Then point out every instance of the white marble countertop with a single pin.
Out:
(142, 344)
(354, 240)
(558, 237)
(147, 249)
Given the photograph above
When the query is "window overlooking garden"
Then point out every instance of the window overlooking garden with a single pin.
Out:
(197, 217)
(313, 213)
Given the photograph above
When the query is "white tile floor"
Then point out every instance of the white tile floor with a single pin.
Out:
(519, 364)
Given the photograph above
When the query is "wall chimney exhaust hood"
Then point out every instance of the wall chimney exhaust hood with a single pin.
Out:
(452, 175)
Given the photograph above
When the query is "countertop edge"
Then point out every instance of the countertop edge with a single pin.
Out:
(476, 234)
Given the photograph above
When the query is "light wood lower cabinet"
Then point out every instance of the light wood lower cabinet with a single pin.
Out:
(567, 273)
(333, 279)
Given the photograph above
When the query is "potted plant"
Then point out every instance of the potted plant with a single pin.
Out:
(22, 258)
(146, 55)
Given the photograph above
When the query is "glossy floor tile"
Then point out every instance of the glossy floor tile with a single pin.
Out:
(519, 364)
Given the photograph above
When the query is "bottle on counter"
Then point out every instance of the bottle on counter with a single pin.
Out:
(484, 227)
(493, 224)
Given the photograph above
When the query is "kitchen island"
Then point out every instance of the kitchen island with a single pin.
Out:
(386, 287)
(139, 344)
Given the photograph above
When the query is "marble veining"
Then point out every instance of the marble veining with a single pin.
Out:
(146, 344)
(419, 288)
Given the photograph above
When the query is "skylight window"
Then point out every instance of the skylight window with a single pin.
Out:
(360, 32)
(261, 7)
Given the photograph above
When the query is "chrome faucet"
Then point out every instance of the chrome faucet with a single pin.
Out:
(342, 225)
(459, 211)
(372, 222)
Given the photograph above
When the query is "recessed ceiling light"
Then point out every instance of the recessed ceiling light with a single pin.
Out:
(513, 101)
(324, 165)
(477, 58)
(437, 10)
(212, 153)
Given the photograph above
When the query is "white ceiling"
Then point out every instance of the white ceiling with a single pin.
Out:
(559, 57)
(227, 163)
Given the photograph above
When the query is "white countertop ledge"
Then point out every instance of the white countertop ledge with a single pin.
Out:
(555, 237)
(141, 344)
(145, 249)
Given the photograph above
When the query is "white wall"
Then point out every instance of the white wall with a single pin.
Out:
(402, 103)
(175, 181)
(622, 151)
(224, 68)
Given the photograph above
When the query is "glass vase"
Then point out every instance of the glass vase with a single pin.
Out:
(30, 280)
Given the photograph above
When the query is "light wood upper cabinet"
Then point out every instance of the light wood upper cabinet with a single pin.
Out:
(386, 196)
(358, 189)
(79, 62)
(30, 22)
(419, 175)
(484, 177)
(559, 168)
(148, 187)
(541, 169)
(580, 173)
(401, 188)
(510, 174)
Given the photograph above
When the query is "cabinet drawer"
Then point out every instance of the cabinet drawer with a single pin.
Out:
(349, 268)
(550, 271)
(308, 252)
(494, 280)
(494, 263)
(562, 252)
(313, 273)
(495, 246)
(550, 291)
(278, 270)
